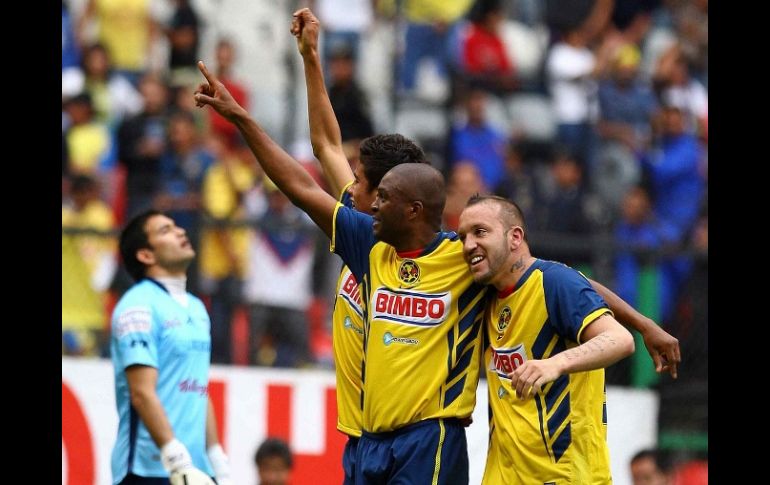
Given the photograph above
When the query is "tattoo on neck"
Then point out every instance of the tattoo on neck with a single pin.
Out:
(517, 265)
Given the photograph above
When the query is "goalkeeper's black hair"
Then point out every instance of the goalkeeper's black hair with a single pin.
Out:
(133, 238)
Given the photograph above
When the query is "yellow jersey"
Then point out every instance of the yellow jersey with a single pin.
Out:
(348, 342)
(422, 325)
(559, 436)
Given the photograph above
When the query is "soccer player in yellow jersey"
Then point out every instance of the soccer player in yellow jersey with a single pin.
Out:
(422, 310)
(378, 154)
(550, 336)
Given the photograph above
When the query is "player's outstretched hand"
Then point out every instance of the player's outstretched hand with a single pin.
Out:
(190, 476)
(663, 348)
(214, 94)
(305, 27)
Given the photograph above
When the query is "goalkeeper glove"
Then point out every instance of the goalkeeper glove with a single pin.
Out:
(220, 464)
(177, 461)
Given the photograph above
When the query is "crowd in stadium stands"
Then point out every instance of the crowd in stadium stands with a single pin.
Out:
(591, 114)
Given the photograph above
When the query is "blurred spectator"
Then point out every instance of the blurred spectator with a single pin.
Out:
(572, 69)
(344, 23)
(519, 184)
(184, 36)
(484, 56)
(565, 206)
(182, 168)
(274, 462)
(141, 142)
(477, 142)
(676, 87)
(125, 28)
(464, 181)
(691, 19)
(640, 230)
(672, 167)
(90, 147)
(70, 52)
(430, 24)
(88, 266)
(225, 55)
(347, 98)
(278, 286)
(626, 107)
(650, 467)
(223, 248)
(113, 96)
(626, 104)
(72, 76)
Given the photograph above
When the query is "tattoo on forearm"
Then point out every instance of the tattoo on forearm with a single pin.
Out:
(596, 345)
(517, 265)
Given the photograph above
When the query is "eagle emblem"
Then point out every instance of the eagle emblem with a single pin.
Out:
(504, 319)
(409, 272)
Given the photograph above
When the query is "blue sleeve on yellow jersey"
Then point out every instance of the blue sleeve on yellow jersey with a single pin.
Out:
(346, 199)
(570, 298)
(354, 239)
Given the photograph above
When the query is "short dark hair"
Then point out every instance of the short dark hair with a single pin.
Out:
(380, 153)
(510, 212)
(660, 458)
(274, 447)
(133, 238)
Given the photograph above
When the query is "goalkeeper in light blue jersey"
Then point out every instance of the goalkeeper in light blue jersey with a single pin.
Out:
(161, 349)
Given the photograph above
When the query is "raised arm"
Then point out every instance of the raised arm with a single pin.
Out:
(283, 170)
(662, 347)
(324, 129)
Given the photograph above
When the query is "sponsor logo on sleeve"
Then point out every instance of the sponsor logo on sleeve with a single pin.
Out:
(410, 308)
(349, 292)
(133, 320)
(504, 361)
(352, 326)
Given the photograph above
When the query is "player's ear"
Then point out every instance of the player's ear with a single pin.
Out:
(415, 208)
(515, 237)
(146, 256)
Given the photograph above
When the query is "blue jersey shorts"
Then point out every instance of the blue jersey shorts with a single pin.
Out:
(434, 451)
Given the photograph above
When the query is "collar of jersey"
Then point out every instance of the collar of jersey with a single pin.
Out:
(160, 285)
(523, 279)
(416, 253)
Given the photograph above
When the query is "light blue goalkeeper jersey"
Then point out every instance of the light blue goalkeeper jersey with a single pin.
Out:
(150, 328)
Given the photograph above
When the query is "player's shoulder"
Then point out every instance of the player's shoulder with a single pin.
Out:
(556, 273)
(139, 294)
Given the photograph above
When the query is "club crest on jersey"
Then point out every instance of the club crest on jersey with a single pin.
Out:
(506, 360)
(503, 320)
(409, 272)
(410, 308)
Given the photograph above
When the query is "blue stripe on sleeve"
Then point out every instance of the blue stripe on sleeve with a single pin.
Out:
(569, 298)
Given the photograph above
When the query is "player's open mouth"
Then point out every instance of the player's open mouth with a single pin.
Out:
(476, 260)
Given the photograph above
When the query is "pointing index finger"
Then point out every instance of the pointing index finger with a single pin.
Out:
(209, 77)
